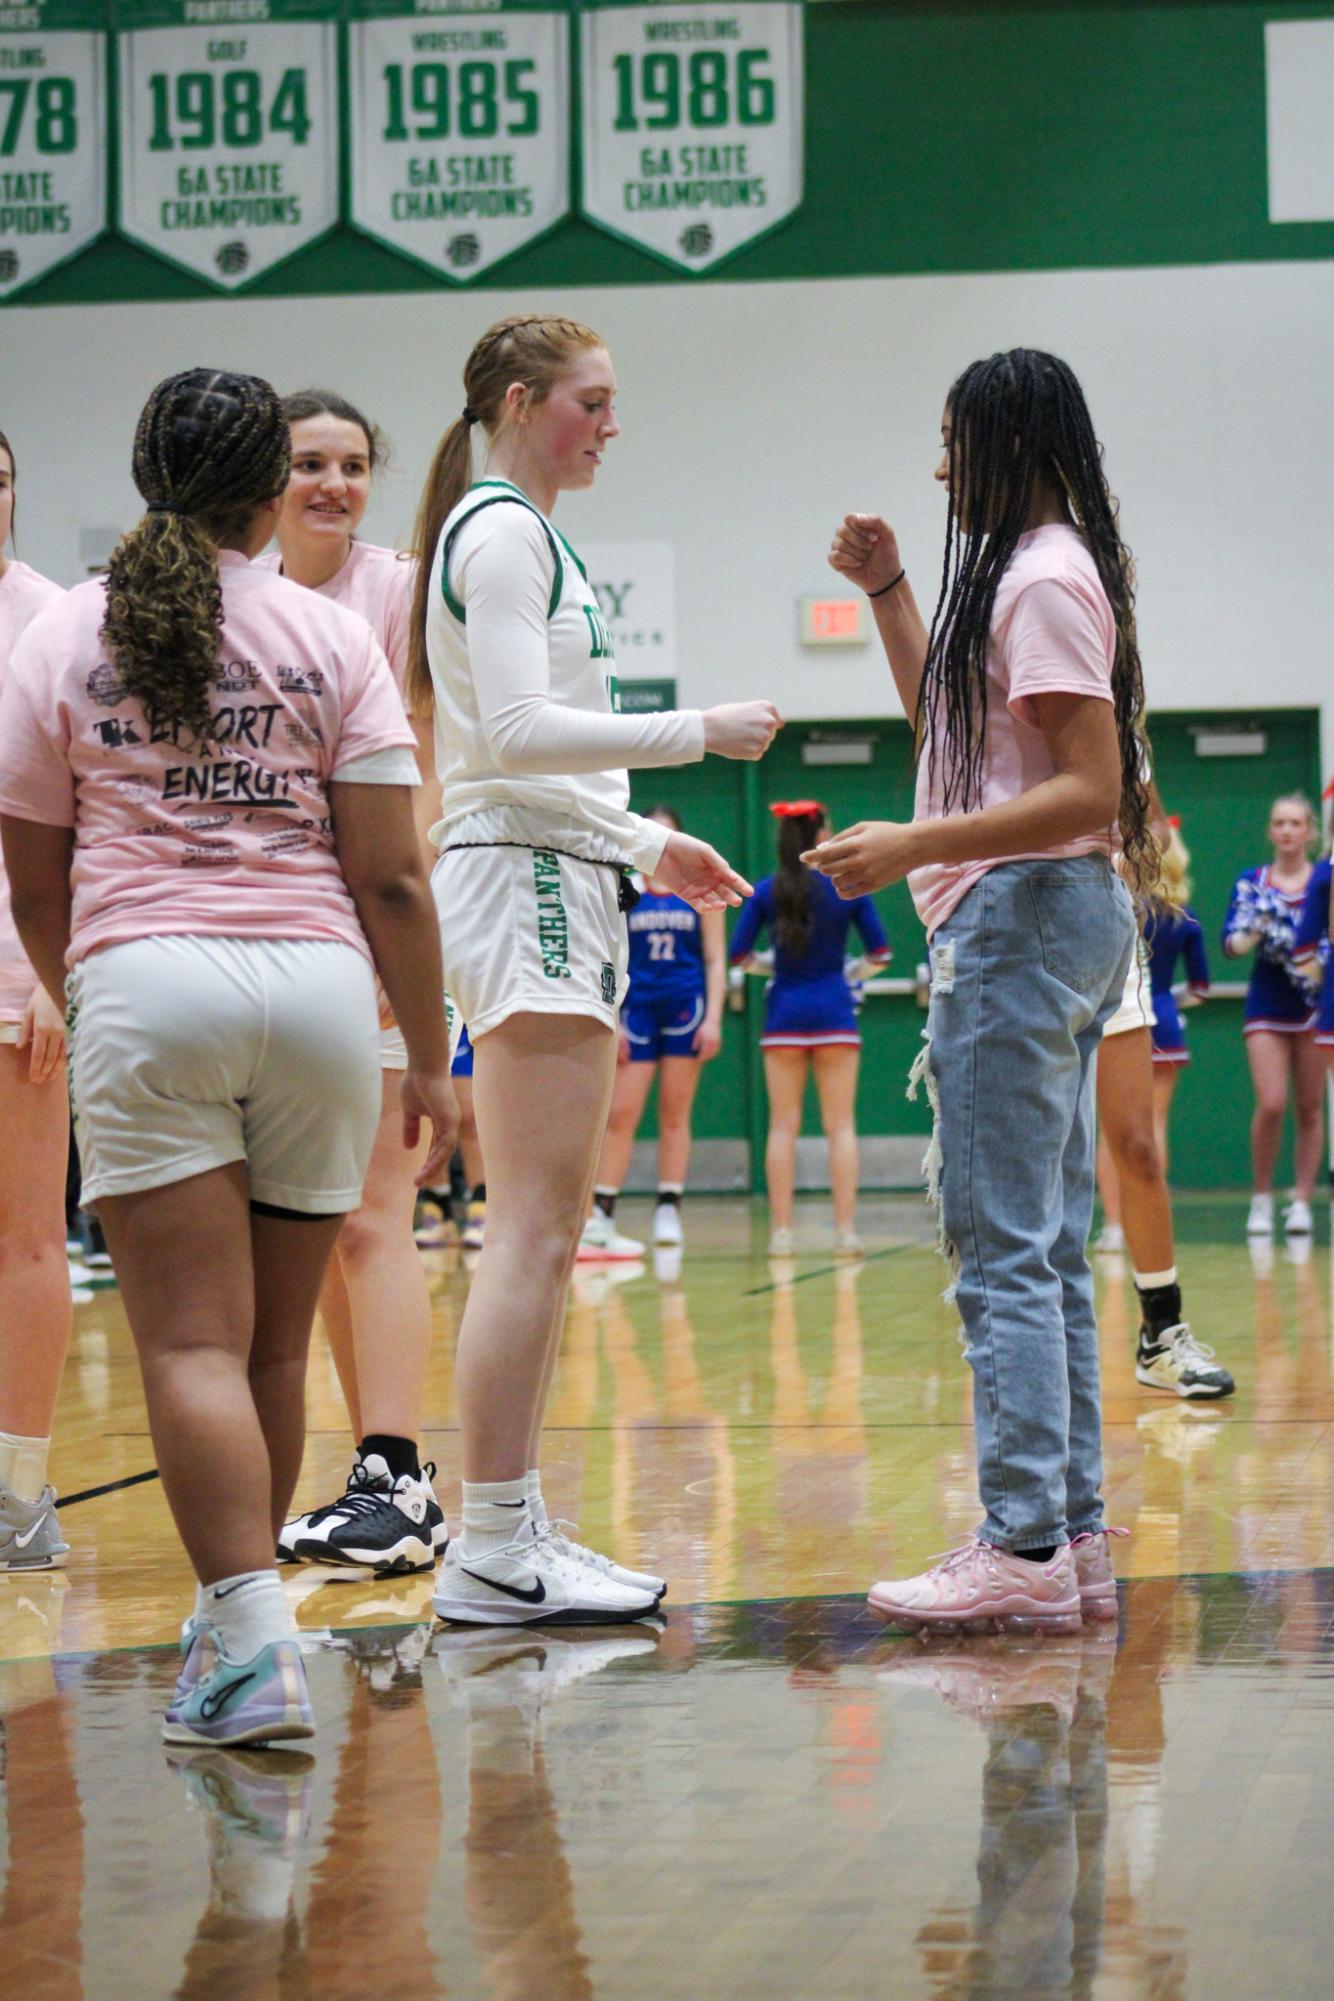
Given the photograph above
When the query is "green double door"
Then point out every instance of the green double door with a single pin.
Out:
(862, 770)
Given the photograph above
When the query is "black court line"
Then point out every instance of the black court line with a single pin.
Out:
(111, 1487)
(823, 1271)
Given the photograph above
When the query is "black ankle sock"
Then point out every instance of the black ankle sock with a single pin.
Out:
(1036, 1555)
(398, 1454)
(1161, 1307)
(669, 1196)
(478, 1193)
(605, 1198)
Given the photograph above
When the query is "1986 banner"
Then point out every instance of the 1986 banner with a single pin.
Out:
(460, 128)
(53, 197)
(693, 124)
(228, 130)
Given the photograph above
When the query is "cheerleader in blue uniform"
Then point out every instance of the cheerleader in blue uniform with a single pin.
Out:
(1262, 917)
(1313, 957)
(810, 1023)
(1173, 936)
(671, 1024)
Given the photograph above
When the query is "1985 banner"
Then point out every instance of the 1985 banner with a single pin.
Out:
(693, 124)
(228, 130)
(53, 197)
(460, 128)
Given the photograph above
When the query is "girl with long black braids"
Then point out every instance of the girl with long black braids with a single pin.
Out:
(207, 816)
(1032, 764)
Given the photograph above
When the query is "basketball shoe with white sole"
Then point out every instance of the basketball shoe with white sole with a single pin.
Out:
(602, 1242)
(667, 1224)
(380, 1524)
(628, 1580)
(260, 1701)
(530, 1583)
(30, 1537)
(1175, 1361)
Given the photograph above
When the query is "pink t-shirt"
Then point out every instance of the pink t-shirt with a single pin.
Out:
(1052, 632)
(377, 584)
(22, 595)
(237, 842)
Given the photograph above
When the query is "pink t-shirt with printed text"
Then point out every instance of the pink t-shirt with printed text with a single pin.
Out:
(236, 841)
(23, 593)
(377, 584)
(1052, 632)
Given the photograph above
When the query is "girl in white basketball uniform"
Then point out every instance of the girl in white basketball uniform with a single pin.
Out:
(36, 1314)
(206, 807)
(374, 1302)
(535, 839)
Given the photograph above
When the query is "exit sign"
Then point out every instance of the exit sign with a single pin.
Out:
(832, 621)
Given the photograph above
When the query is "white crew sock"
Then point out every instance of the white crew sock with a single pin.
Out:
(537, 1507)
(247, 1612)
(495, 1512)
(23, 1465)
(1148, 1280)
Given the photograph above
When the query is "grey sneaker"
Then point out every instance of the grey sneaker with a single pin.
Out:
(30, 1537)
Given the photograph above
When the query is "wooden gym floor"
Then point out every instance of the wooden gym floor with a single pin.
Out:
(768, 1796)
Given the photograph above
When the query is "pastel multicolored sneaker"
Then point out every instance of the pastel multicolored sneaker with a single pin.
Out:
(1094, 1574)
(30, 1537)
(982, 1589)
(259, 1701)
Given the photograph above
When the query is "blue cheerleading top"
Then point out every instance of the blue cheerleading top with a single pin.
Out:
(1276, 995)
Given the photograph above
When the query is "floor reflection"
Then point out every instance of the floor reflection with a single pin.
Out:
(763, 1799)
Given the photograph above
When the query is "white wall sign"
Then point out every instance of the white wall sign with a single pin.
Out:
(53, 197)
(1299, 87)
(635, 583)
(228, 131)
(693, 124)
(460, 129)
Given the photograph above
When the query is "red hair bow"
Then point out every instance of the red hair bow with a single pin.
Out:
(797, 809)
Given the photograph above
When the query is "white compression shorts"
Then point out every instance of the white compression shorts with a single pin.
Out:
(188, 1053)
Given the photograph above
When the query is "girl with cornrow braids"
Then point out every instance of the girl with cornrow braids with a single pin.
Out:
(1032, 768)
(374, 1303)
(36, 1313)
(207, 820)
(535, 836)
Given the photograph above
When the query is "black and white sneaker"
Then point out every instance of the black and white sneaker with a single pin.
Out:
(380, 1524)
(1176, 1362)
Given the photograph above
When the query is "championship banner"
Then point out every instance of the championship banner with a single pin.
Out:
(460, 128)
(53, 197)
(693, 124)
(228, 130)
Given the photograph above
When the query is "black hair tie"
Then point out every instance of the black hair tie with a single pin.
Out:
(163, 507)
(471, 416)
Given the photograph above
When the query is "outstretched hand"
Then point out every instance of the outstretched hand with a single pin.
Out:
(429, 1094)
(866, 857)
(696, 872)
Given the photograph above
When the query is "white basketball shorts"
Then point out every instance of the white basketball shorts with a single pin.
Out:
(1135, 1007)
(188, 1053)
(529, 931)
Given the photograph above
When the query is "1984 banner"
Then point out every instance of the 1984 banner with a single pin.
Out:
(53, 197)
(693, 124)
(228, 130)
(460, 128)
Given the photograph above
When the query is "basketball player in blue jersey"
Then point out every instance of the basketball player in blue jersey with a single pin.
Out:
(671, 1024)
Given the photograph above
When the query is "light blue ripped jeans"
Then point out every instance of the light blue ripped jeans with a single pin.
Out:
(1024, 974)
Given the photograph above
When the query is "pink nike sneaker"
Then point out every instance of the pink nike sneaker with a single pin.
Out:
(1093, 1571)
(982, 1589)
